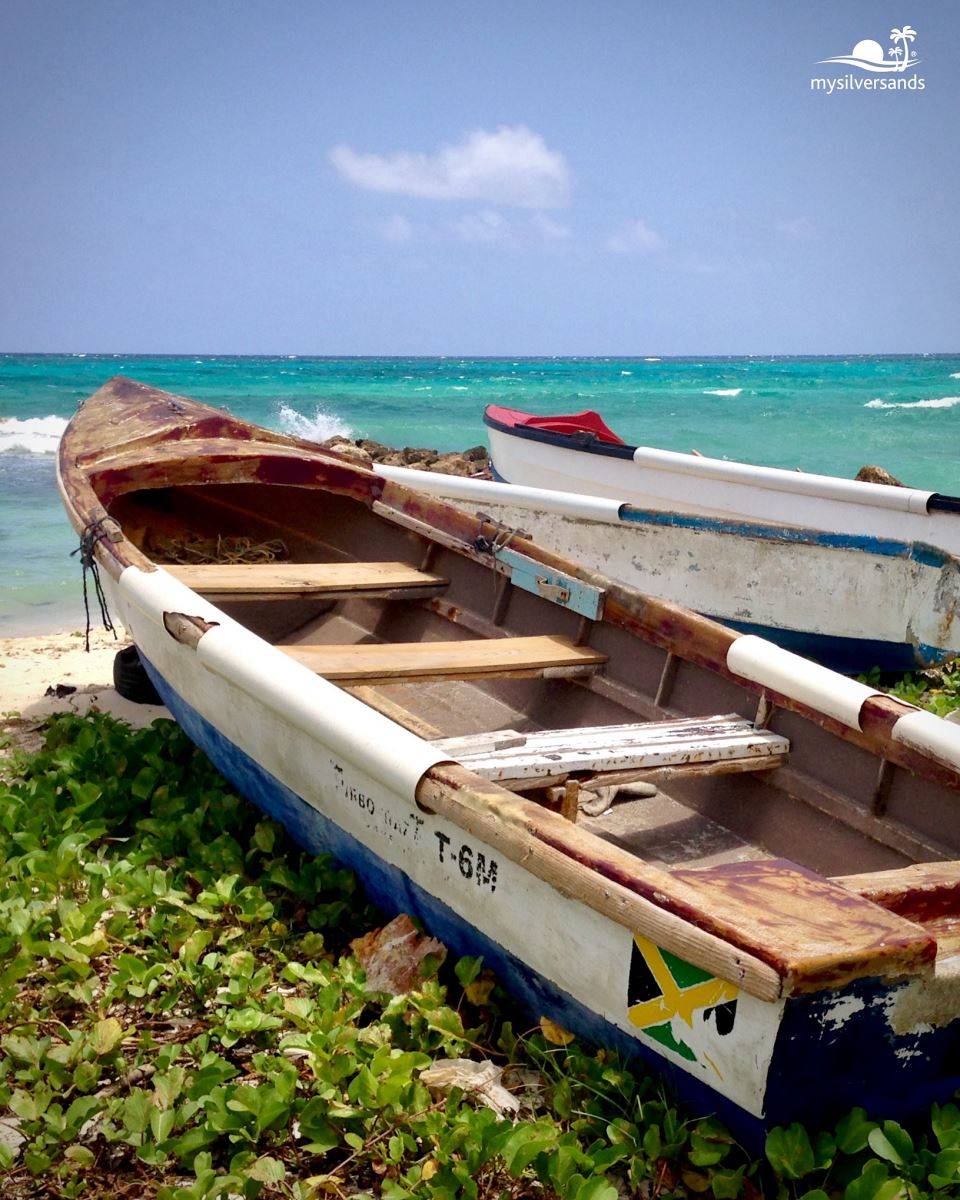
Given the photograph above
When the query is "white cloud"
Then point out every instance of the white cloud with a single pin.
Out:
(636, 237)
(513, 166)
(800, 229)
(397, 230)
(550, 230)
(484, 226)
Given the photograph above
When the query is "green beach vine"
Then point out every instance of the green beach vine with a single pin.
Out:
(182, 1017)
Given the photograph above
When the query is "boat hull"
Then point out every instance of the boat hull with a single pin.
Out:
(754, 1063)
(697, 485)
(848, 602)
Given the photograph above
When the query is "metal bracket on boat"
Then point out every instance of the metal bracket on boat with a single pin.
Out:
(526, 573)
(556, 586)
(552, 591)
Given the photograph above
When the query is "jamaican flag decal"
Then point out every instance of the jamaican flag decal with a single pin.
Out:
(663, 987)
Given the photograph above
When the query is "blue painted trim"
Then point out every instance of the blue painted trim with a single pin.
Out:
(921, 552)
(821, 1066)
(582, 598)
(847, 655)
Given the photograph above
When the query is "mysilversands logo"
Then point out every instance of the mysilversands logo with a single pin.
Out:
(870, 59)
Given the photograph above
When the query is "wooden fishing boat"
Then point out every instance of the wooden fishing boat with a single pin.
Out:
(449, 708)
(855, 575)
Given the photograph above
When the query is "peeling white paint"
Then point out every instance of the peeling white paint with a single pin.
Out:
(842, 1010)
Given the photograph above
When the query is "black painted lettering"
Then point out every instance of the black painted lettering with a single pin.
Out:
(443, 841)
(486, 875)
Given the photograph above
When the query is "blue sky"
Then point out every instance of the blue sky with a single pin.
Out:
(647, 178)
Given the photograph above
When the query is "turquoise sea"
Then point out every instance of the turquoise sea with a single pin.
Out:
(829, 415)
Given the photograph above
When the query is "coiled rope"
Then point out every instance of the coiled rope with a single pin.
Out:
(92, 534)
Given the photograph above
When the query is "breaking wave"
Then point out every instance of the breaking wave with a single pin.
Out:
(722, 391)
(316, 428)
(35, 435)
(942, 402)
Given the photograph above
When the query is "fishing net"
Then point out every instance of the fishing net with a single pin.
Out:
(194, 548)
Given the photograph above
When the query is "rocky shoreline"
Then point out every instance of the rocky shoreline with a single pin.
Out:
(472, 462)
(475, 462)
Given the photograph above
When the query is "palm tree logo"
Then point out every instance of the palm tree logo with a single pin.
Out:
(869, 55)
(901, 39)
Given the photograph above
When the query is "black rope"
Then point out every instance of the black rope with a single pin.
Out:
(503, 534)
(93, 533)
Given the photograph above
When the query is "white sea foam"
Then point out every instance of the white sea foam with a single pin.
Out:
(626, 372)
(316, 428)
(722, 391)
(653, 360)
(941, 402)
(36, 435)
(955, 374)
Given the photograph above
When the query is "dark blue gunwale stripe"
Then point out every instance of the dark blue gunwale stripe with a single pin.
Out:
(920, 552)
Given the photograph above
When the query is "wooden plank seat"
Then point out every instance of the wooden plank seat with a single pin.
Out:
(616, 752)
(330, 580)
(483, 658)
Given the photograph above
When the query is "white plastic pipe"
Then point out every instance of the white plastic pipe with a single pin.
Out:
(332, 718)
(823, 690)
(931, 734)
(488, 491)
(827, 487)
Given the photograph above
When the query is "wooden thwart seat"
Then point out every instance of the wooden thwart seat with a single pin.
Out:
(483, 658)
(335, 580)
(613, 752)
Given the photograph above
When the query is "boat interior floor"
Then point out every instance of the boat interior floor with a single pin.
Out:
(705, 811)
(657, 827)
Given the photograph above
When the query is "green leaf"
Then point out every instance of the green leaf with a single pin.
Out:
(468, 970)
(105, 1036)
(318, 1134)
(710, 1143)
(945, 1122)
(945, 1169)
(868, 1185)
(727, 1184)
(595, 1189)
(162, 1122)
(892, 1143)
(194, 946)
(267, 1170)
(853, 1130)
(136, 1111)
(789, 1152)
(524, 1144)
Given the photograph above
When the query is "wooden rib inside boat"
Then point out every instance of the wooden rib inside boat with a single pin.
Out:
(594, 744)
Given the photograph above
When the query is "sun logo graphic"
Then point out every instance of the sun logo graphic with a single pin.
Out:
(869, 55)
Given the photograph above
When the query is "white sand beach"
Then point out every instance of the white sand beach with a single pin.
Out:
(53, 672)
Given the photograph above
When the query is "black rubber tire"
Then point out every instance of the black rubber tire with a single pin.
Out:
(130, 678)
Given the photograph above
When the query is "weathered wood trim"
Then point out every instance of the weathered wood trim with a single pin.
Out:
(501, 819)
(481, 658)
(741, 921)
(333, 580)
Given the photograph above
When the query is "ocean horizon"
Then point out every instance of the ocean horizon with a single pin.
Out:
(825, 414)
